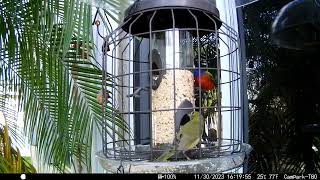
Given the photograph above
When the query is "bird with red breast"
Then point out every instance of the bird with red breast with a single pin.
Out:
(204, 79)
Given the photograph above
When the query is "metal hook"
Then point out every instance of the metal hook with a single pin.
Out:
(95, 17)
(99, 32)
(97, 22)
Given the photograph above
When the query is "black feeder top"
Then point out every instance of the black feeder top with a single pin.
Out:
(297, 25)
(204, 11)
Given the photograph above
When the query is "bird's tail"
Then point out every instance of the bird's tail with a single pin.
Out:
(166, 155)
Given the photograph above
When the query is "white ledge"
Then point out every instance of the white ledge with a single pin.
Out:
(208, 165)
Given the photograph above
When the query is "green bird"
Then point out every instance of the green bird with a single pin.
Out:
(188, 137)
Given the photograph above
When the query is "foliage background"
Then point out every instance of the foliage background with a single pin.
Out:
(283, 91)
(47, 61)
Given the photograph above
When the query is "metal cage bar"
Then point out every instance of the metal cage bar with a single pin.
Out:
(126, 148)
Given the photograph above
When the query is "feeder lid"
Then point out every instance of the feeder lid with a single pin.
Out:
(297, 25)
(142, 5)
(163, 17)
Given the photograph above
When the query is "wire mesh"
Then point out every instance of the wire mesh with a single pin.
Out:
(155, 84)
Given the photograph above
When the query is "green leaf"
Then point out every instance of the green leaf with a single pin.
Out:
(56, 85)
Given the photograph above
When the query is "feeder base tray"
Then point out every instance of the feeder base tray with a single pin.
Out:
(207, 165)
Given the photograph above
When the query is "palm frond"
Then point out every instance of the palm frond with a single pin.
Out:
(10, 158)
(49, 54)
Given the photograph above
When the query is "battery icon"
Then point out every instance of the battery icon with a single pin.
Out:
(160, 176)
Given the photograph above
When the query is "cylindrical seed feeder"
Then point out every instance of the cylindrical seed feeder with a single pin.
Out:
(168, 60)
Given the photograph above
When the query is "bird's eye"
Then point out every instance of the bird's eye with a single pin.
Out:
(184, 120)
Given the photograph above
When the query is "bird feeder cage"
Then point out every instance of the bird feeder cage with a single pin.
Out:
(168, 60)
